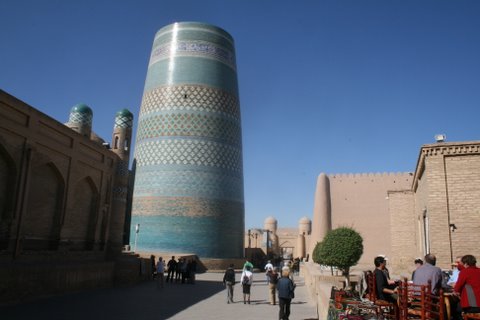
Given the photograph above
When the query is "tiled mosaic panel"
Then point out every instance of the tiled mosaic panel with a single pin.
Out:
(122, 168)
(190, 98)
(191, 70)
(185, 182)
(190, 124)
(194, 31)
(204, 236)
(193, 48)
(81, 118)
(189, 152)
(123, 122)
(186, 206)
(189, 174)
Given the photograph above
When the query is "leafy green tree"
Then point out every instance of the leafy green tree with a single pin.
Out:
(341, 248)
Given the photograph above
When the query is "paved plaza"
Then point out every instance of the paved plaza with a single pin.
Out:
(204, 300)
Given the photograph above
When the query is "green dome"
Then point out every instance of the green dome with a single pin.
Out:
(81, 108)
(124, 113)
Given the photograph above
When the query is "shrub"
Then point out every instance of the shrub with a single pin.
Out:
(341, 248)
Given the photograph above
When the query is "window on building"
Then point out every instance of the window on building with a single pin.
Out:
(426, 232)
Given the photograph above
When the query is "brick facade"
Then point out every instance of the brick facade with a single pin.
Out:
(404, 216)
(447, 197)
(58, 209)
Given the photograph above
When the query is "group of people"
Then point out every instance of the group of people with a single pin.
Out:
(278, 283)
(182, 270)
(463, 284)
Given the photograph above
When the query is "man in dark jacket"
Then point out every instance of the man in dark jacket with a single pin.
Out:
(285, 288)
(385, 291)
(171, 266)
(229, 282)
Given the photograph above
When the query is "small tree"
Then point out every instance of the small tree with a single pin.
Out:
(341, 248)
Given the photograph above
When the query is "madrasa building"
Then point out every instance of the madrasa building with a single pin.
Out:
(63, 200)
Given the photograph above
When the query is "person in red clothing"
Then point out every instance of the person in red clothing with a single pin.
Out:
(468, 285)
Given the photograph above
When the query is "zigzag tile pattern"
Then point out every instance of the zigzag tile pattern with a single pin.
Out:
(190, 98)
(189, 152)
(189, 125)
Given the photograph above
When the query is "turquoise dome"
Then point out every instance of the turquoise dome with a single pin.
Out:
(124, 113)
(123, 119)
(81, 108)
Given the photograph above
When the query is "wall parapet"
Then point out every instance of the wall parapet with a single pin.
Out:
(369, 175)
(452, 149)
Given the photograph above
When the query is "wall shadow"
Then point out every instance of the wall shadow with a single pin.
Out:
(143, 301)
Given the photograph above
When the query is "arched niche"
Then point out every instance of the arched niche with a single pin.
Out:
(83, 215)
(41, 221)
(8, 177)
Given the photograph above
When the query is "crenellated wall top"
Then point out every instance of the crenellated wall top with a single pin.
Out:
(368, 175)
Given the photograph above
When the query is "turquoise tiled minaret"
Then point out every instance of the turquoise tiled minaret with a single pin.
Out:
(80, 119)
(188, 193)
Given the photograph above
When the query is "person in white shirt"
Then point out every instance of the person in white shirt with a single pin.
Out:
(160, 272)
(246, 280)
(268, 267)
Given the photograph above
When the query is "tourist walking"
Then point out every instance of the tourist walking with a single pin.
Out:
(171, 268)
(229, 282)
(178, 272)
(160, 272)
(272, 276)
(286, 292)
(191, 270)
(183, 269)
(268, 267)
(247, 280)
(153, 268)
(247, 264)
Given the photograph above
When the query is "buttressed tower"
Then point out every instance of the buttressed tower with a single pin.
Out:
(188, 193)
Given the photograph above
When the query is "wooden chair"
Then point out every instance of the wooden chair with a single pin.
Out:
(411, 298)
(418, 302)
(435, 305)
(471, 316)
(385, 309)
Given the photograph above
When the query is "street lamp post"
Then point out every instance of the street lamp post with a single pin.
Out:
(137, 230)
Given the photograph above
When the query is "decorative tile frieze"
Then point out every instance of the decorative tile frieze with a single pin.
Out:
(193, 48)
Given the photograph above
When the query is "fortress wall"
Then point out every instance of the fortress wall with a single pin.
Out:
(361, 201)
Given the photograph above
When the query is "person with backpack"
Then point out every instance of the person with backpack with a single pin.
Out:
(272, 276)
(286, 292)
(247, 280)
(229, 282)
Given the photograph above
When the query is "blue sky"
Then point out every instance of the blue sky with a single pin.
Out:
(343, 86)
